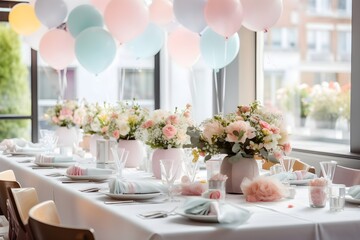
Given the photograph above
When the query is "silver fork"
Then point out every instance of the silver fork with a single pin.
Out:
(158, 214)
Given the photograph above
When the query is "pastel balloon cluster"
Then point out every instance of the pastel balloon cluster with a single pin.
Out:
(92, 30)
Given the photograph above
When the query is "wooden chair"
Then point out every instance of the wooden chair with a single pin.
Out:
(6, 209)
(347, 176)
(7, 175)
(298, 166)
(44, 223)
(21, 200)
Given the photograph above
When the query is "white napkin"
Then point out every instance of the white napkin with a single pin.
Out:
(354, 191)
(46, 158)
(118, 186)
(19, 145)
(78, 171)
(225, 213)
(296, 175)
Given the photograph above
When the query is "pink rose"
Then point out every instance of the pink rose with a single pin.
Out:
(188, 106)
(215, 194)
(104, 129)
(244, 109)
(148, 124)
(66, 112)
(237, 131)
(263, 189)
(212, 129)
(278, 155)
(187, 114)
(169, 131)
(264, 124)
(275, 130)
(116, 134)
(172, 119)
(55, 120)
(287, 148)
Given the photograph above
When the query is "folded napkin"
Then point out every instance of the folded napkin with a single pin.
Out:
(354, 191)
(78, 171)
(49, 158)
(296, 175)
(118, 186)
(224, 212)
(19, 145)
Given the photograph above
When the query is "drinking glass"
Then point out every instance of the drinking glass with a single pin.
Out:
(287, 163)
(48, 139)
(169, 173)
(120, 157)
(337, 197)
(328, 170)
(317, 196)
(191, 166)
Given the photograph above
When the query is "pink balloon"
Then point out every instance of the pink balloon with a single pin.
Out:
(100, 4)
(260, 15)
(126, 19)
(161, 11)
(57, 48)
(184, 46)
(224, 16)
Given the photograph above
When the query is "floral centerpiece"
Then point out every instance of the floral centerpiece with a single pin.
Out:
(97, 118)
(166, 132)
(250, 131)
(65, 114)
(125, 120)
(68, 116)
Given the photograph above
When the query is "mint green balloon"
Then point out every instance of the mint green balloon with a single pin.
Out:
(83, 17)
(148, 43)
(216, 50)
(95, 49)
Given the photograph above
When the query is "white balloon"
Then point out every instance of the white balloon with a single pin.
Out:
(71, 4)
(34, 39)
(190, 14)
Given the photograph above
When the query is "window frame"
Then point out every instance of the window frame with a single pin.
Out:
(354, 151)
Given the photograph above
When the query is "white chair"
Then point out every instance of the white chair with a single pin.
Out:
(347, 176)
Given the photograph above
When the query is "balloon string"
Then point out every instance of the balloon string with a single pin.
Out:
(122, 84)
(64, 82)
(216, 92)
(60, 84)
(224, 82)
(193, 88)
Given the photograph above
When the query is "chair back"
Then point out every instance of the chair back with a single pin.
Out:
(347, 176)
(298, 166)
(44, 224)
(7, 175)
(23, 200)
(4, 194)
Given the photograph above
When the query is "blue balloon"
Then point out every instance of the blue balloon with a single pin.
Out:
(148, 43)
(216, 50)
(83, 17)
(95, 49)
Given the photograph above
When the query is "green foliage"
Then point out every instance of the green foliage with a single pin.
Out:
(14, 86)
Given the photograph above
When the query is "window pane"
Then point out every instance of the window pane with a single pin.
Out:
(14, 73)
(15, 129)
(311, 82)
(127, 78)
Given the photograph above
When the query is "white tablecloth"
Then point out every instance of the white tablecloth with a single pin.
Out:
(270, 221)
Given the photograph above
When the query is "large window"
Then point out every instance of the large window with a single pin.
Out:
(311, 85)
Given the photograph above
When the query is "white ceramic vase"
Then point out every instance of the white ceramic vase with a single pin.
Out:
(67, 137)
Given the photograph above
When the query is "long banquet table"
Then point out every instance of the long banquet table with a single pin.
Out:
(286, 219)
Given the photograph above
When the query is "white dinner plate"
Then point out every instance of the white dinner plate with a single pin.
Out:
(24, 153)
(130, 196)
(55, 164)
(199, 218)
(350, 199)
(299, 182)
(89, 177)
